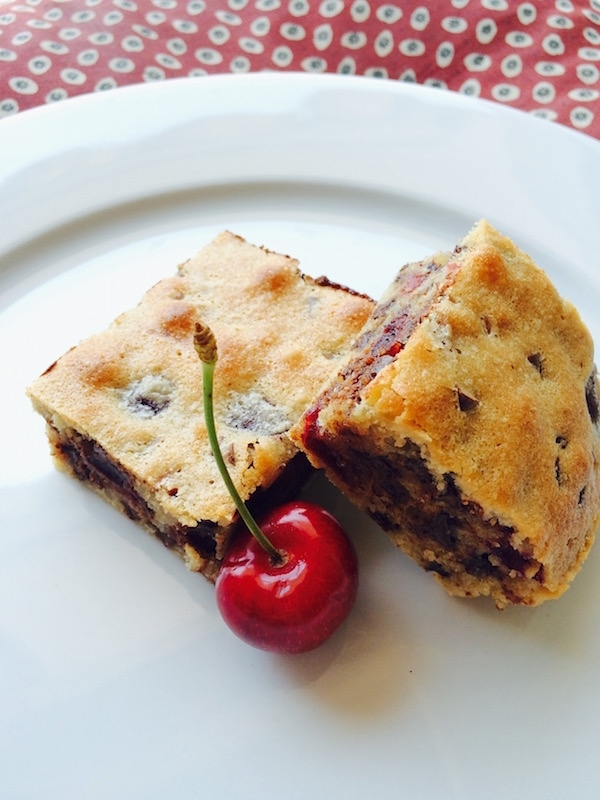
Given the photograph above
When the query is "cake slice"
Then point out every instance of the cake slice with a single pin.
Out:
(124, 408)
(465, 422)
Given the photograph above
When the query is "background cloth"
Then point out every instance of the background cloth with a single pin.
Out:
(541, 57)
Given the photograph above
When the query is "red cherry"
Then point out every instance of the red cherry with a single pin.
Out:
(295, 605)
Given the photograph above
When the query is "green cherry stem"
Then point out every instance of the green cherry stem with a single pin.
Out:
(206, 347)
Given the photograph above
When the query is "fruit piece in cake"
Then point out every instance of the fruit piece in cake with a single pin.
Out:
(465, 422)
(124, 407)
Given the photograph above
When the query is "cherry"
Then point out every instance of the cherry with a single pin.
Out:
(288, 584)
(293, 604)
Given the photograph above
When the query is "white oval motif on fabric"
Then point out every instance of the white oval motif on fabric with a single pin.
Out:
(196, 7)
(550, 68)
(454, 24)
(485, 31)
(526, 13)
(219, 34)
(495, 5)
(511, 65)
(132, 44)
(471, 87)
(354, 40)
(588, 73)
(544, 113)
(239, 65)
(518, 39)
(388, 13)
(347, 66)
(177, 47)
(477, 62)
(114, 17)
(185, 26)
(282, 56)
(87, 58)
(74, 77)
(420, 18)
(68, 34)
(206, 55)
(105, 84)
(54, 47)
(260, 26)
(435, 83)
(227, 18)
(323, 36)
(314, 64)
(153, 73)
(360, 11)
(292, 31)
(22, 85)
(328, 8)
(591, 35)
(505, 92)
(593, 16)
(560, 22)
(589, 53)
(384, 44)
(39, 24)
(553, 45)
(39, 65)
(168, 61)
(250, 45)
(298, 8)
(581, 117)
(376, 72)
(9, 107)
(56, 95)
(101, 38)
(544, 92)
(145, 31)
(444, 55)
(266, 5)
(77, 17)
(584, 95)
(22, 37)
(412, 47)
(408, 76)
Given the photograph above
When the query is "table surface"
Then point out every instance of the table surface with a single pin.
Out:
(541, 57)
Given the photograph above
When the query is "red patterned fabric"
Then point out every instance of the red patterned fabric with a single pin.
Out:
(541, 57)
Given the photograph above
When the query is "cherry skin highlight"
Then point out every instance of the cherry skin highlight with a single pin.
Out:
(295, 605)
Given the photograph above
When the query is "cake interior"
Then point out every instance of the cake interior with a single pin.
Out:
(203, 545)
(425, 515)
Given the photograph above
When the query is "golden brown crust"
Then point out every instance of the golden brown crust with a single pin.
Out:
(491, 389)
(136, 388)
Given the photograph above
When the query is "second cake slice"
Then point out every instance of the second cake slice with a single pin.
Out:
(466, 422)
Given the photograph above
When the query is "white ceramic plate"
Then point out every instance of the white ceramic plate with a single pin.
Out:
(117, 677)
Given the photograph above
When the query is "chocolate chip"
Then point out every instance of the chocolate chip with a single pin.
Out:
(536, 360)
(252, 411)
(591, 398)
(149, 396)
(558, 471)
(561, 441)
(465, 401)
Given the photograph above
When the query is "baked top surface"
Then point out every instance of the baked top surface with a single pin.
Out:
(136, 388)
(492, 386)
